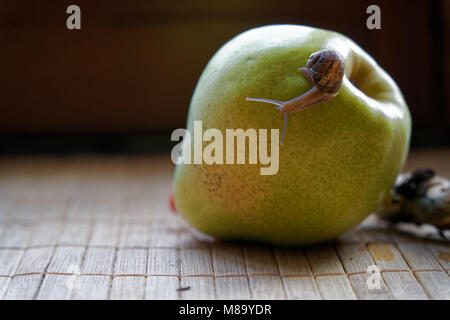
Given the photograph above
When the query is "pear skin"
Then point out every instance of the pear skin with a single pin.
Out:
(339, 158)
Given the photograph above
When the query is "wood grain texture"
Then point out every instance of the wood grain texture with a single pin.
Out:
(45, 233)
(363, 292)
(196, 262)
(134, 234)
(105, 233)
(324, 260)
(442, 253)
(232, 288)
(436, 284)
(260, 261)
(292, 262)
(66, 260)
(100, 230)
(98, 261)
(57, 287)
(15, 235)
(35, 260)
(355, 257)
(75, 233)
(163, 262)
(301, 288)
(10, 259)
(128, 288)
(162, 288)
(404, 286)
(23, 287)
(335, 288)
(267, 288)
(387, 256)
(228, 260)
(131, 262)
(4, 284)
(419, 257)
(197, 288)
(163, 236)
(93, 287)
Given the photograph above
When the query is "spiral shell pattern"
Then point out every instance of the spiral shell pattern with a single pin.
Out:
(327, 70)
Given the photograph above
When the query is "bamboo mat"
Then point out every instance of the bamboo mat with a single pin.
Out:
(100, 228)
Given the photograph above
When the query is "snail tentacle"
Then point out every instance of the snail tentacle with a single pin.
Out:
(275, 102)
(286, 116)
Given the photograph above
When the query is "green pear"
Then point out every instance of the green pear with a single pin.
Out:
(339, 158)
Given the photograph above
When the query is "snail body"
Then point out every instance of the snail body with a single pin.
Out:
(325, 71)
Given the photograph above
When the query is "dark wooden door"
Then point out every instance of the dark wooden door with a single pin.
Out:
(134, 64)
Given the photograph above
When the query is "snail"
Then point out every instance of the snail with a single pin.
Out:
(325, 71)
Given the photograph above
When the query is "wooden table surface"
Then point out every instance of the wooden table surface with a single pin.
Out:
(100, 228)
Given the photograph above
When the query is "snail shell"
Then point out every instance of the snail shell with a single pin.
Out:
(326, 70)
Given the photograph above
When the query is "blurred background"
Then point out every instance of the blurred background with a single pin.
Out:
(123, 82)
